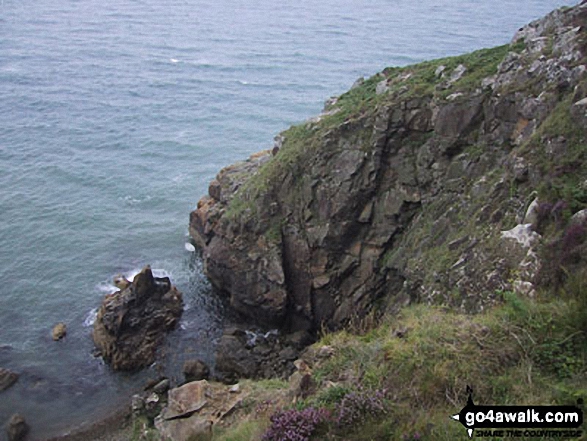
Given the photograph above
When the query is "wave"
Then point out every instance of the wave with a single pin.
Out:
(90, 318)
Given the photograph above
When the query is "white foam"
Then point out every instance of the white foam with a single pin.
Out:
(107, 288)
(173, 60)
(130, 200)
(189, 247)
(157, 272)
(91, 318)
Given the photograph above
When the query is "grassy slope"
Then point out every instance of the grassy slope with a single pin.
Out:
(522, 352)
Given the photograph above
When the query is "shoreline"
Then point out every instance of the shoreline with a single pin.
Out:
(115, 427)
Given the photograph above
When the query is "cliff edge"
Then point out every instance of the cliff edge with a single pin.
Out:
(438, 182)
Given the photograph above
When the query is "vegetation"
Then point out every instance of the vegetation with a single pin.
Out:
(357, 106)
(386, 385)
(401, 377)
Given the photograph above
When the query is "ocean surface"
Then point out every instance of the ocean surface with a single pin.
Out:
(114, 117)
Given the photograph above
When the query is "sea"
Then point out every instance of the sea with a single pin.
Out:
(114, 117)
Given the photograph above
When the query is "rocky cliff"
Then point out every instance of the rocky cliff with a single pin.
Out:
(435, 183)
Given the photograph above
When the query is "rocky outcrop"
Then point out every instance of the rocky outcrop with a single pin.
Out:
(194, 408)
(246, 354)
(7, 379)
(401, 189)
(131, 323)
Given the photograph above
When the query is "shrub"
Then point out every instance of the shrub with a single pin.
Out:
(356, 407)
(573, 237)
(296, 425)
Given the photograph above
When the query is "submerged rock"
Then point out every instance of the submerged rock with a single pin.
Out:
(131, 323)
(17, 428)
(7, 378)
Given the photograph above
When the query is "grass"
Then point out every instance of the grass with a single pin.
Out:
(563, 170)
(520, 352)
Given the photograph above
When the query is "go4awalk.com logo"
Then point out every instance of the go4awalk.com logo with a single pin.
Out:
(521, 421)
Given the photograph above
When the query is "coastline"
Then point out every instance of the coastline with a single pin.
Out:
(115, 427)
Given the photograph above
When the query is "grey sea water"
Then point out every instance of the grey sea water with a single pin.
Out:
(115, 115)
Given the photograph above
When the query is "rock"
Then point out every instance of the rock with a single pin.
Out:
(195, 370)
(531, 216)
(59, 331)
(520, 169)
(17, 428)
(522, 234)
(326, 351)
(194, 408)
(7, 379)
(301, 386)
(131, 323)
(524, 288)
(121, 282)
(299, 339)
(152, 400)
(253, 355)
(371, 210)
(457, 74)
(235, 389)
(137, 404)
(215, 190)
(162, 387)
(439, 70)
(580, 217)
(381, 87)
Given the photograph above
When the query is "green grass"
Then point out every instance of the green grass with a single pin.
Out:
(564, 172)
(513, 354)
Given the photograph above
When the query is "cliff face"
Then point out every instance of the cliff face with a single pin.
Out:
(413, 186)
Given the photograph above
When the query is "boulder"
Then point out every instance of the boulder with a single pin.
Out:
(522, 234)
(195, 370)
(59, 331)
(7, 379)
(131, 323)
(162, 387)
(17, 428)
(194, 408)
(247, 354)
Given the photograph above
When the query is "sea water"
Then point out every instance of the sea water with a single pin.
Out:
(115, 115)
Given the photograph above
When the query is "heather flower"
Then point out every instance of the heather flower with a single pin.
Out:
(573, 236)
(296, 425)
(356, 407)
